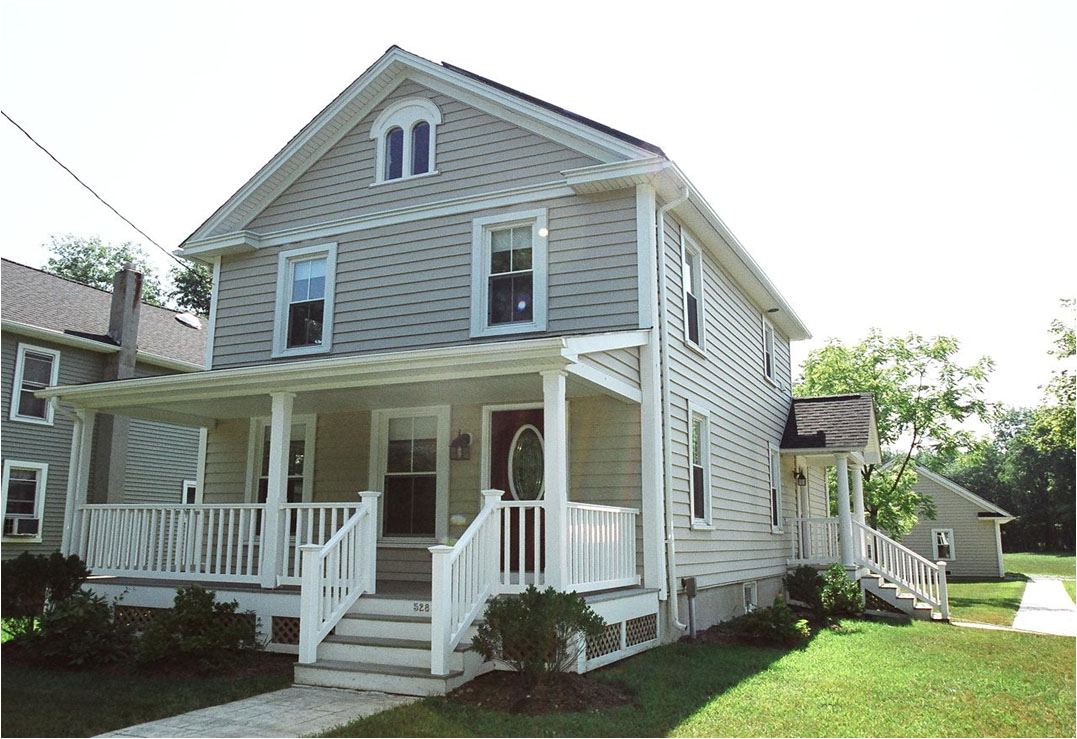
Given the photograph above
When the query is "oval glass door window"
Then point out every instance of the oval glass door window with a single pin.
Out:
(526, 464)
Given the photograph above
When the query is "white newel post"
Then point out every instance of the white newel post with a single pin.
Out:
(845, 517)
(858, 508)
(556, 478)
(369, 500)
(280, 432)
(440, 608)
(491, 499)
(310, 598)
(944, 597)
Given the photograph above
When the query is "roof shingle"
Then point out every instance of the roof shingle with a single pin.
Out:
(830, 422)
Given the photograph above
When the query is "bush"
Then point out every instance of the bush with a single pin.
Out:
(537, 634)
(30, 581)
(197, 630)
(81, 630)
(804, 584)
(840, 596)
(776, 625)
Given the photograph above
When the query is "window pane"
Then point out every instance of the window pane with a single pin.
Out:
(424, 455)
(296, 450)
(697, 441)
(693, 319)
(36, 370)
(410, 504)
(521, 298)
(500, 300)
(521, 259)
(420, 148)
(774, 506)
(698, 509)
(425, 427)
(394, 154)
(31, 406)
(399, 459)
(305, 323)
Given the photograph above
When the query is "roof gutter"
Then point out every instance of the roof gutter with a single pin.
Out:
(81, 342)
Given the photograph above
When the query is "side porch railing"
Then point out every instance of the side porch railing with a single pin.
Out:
(903, 567)
(814, 541)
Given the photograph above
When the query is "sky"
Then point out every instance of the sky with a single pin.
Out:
(910, 167)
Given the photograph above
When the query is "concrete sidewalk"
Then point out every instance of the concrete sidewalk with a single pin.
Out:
(292, 712)
(1046, 608)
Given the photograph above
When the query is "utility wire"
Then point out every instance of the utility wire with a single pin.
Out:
(67, 169)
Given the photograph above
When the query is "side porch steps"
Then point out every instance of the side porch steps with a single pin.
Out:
(894, 596)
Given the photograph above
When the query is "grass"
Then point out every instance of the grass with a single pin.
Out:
(1071, 588)
(986, 601)
(1032, 563)
(100, 700)
(868, 679)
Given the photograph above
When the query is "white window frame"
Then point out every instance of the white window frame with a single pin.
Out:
(379, 449)
(690, 250)
(481, 231)
(752, 588)
(935, 545)
(42, 471)
(404, 114)
(16, 389)
(769, 340)
(256, 448)
(705, 523)
(285, 260)
(774, 489)
(187, 485)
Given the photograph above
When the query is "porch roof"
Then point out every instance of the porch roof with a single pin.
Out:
(510, 371)
(830, 424)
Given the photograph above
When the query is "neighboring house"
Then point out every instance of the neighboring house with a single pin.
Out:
(463, 341)
(966, 532)
(56, 331)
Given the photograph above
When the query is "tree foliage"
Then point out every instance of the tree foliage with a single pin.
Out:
(92, 262)
(192, 285)
(922, 394)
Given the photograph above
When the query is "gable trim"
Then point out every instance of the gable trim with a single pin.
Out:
(963, 492)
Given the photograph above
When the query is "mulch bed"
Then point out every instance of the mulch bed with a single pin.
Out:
(569, 693)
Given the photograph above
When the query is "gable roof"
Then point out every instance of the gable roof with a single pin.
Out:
(831, 422)
(34, 298)
(965, 493)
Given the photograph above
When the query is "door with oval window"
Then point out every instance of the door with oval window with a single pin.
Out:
(517, 466)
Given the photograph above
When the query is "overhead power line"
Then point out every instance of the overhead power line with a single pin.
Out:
(108, 205)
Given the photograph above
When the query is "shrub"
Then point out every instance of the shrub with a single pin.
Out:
(804, 584)
(81, 630)
(30, 581)
(776, 625)
(197, 630)
(537, 634)
(840, 596)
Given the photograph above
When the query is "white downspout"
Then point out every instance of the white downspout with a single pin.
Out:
(663, 356)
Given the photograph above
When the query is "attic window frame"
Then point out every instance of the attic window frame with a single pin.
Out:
(405, 115)
(17, 388)
(692, 261)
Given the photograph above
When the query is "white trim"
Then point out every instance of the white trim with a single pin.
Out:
(200, 468)
(405, 114)
(481, 231)
(706, 522)
(213, 299)
(379, 448)
(774, 465)
(512, 451)
(608, 383)
(16, 387)
(646, 257)
(769, 351)
(41, 482)
(998, 548)
(963, 492)
(187, 484)
(256, 448)
(284, 284)
(935, 544)
(690, 250)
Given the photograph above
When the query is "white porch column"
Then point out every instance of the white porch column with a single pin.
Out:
(858, 507)
(845, 518)
(555, 474)
(280, 432)
(78, 480)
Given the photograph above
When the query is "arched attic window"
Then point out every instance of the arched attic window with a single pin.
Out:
(405, 133)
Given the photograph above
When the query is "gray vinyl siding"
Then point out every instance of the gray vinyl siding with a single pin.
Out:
(160, 457)
(975, 550)
(746, 412)
(226, 462)
(409, 286)
(623, 364)
(476, 153)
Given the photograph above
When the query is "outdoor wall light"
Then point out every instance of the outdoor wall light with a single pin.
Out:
(801, 480)
(460, 447)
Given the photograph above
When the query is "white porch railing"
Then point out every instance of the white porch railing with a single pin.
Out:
(207, 542)
(904, 567)
(309, 523)
(335, 574)
(522, 529)
(601, 547)
(815, 541)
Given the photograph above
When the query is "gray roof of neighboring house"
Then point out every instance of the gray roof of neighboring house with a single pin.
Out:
(40, 299)
(830, 422)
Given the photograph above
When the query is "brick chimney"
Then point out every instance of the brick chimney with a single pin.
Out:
(110, 472)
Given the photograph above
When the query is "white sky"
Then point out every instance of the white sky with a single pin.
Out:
(908, 166)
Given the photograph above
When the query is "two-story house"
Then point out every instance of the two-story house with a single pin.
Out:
(56, 331)
(463, 341)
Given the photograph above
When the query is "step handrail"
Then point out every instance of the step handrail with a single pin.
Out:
(905, 568)
(335, 574)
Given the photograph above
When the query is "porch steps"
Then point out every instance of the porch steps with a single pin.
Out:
(900, 599)
(402, 680)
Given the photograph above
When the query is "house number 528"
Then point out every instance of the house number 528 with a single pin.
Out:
(420, 607)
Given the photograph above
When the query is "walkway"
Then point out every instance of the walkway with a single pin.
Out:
(292, 712)
(1046, 608)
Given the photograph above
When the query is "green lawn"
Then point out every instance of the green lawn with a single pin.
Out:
(1071, 588)
(986, 601)
(1029, 563)
(55, 702)
(871, 679)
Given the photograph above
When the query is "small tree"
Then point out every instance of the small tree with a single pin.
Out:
(30, 582)
(192, 285)
(94, 263)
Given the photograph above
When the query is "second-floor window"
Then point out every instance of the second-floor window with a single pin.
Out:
(775, 489)
(699, 461)
(305, 285)
(405, 135)
(509, 274)
(768, 351)
(692, 285)
(35, 369)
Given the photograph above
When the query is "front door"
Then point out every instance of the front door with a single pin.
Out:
(517, 467)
